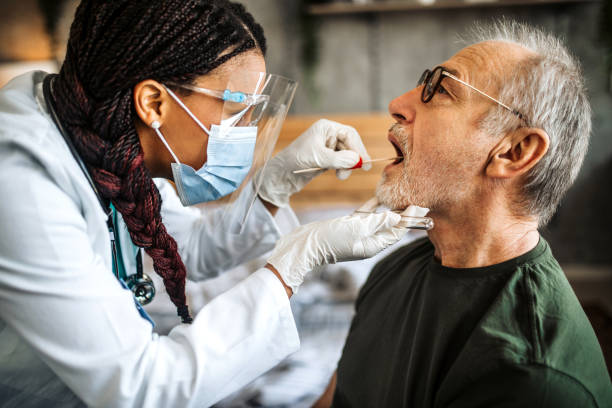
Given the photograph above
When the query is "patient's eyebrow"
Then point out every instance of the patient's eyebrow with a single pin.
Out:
(456, 88)
(452, 71)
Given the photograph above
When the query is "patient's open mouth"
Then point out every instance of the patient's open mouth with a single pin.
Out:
(399, 152)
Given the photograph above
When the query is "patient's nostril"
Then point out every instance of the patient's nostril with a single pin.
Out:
(398, 116)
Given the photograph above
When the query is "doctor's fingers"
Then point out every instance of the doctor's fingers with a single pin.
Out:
(368, 225)
(347, 138)
(372, 245)
(341, 161)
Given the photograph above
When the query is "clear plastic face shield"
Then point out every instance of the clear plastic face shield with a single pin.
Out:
(240, 143)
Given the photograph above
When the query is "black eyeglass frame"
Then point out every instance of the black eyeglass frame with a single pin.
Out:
(427, 96)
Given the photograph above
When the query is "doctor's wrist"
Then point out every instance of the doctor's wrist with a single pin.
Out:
(275, 272)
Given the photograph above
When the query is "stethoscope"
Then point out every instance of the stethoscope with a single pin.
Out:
(139, 283)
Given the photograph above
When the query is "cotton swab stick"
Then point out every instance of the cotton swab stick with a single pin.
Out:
(357, 166)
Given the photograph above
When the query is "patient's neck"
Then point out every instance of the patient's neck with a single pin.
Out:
(484, 234)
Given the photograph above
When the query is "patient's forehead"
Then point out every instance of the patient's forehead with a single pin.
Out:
(485, 65)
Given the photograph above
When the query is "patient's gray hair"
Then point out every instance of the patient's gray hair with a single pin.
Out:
(549, 90)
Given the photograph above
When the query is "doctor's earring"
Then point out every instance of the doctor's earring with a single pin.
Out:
(155, 124)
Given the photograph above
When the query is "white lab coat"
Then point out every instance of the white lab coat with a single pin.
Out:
(69, 334)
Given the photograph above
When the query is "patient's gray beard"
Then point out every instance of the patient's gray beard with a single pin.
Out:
(397, 195)
(415, 186)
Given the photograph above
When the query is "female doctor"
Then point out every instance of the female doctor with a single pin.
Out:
(138, 97)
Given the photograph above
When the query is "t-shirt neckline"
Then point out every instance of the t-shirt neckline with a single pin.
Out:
(530, 256)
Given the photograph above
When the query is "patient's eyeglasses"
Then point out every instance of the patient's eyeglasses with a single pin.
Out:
(432, 80)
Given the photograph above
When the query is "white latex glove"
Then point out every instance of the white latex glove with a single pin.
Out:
(348, 238)
(326, 144)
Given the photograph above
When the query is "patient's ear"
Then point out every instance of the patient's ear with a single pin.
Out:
(517, 153)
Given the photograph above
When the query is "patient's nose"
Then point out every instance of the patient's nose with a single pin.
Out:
(402, 107)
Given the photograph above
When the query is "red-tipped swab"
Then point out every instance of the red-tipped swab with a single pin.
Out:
(357, 166)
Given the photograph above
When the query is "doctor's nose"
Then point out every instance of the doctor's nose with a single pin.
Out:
(402, 108)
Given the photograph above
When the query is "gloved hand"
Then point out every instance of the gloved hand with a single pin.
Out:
(326, 144)
(347, 238)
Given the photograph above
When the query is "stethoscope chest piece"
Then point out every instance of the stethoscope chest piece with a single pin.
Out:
(142, 287)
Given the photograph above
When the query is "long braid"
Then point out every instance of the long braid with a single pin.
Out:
(113, 46)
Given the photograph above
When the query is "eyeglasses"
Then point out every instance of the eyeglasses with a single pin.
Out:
(226, 95)
(240, 109)
(432, 80)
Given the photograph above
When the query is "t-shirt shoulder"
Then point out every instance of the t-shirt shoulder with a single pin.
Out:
(537, 321)
(532, 385)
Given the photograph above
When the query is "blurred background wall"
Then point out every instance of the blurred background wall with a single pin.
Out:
(352, 58)
(33, 35)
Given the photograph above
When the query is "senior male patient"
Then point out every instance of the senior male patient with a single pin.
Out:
(479, 314)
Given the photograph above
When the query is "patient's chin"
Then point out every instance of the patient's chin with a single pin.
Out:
(392, 195)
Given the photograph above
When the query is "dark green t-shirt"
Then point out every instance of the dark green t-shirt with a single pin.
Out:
(507, 335)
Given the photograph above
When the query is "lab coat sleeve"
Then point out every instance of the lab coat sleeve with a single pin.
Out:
(207, 244)
(60, 296)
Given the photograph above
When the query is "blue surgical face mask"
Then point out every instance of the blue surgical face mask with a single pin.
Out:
(229, 159)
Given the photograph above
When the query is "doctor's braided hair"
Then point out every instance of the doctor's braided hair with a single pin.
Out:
(113, 46)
